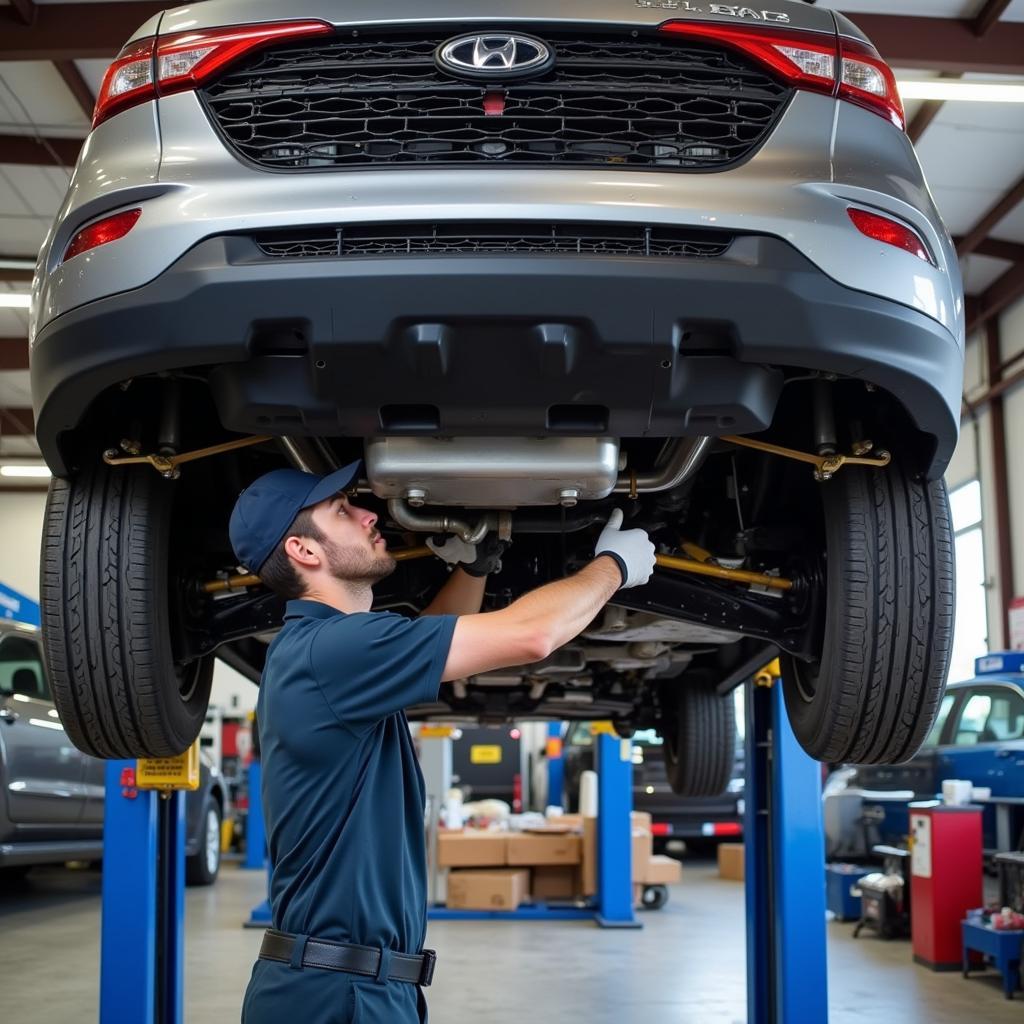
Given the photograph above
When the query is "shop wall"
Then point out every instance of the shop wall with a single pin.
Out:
(973, 458)
(1012, 344)
(21, 533)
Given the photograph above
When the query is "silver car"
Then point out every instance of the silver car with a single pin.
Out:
(677, 257)
(51, 807)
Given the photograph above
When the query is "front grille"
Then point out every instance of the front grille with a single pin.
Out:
(380, 100)
(456, 239)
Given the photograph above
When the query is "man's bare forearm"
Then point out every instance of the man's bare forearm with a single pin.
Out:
(568, 605)
(462, 594)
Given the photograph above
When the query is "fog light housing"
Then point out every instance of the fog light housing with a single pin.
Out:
(110, 229)
(891, 232)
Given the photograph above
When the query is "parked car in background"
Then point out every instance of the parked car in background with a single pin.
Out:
(51, 807)
(978, 735)
(673, 816)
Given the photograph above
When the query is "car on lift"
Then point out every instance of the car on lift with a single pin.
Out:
(530, 266)
(673, 817)
(52, 805)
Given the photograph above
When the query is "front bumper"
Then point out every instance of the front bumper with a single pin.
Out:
(498, 345)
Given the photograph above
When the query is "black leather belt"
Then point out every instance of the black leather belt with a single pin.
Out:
(386, 965)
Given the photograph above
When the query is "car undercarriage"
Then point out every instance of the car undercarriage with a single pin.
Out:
(739, 526)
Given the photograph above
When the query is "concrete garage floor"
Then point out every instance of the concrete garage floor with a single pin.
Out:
(686, 966)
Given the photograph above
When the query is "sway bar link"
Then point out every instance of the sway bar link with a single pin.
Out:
(825, 466)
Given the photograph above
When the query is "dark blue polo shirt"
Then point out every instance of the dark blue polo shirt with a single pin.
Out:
(343, 794)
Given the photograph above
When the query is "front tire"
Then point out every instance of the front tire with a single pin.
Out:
(109, 604)
(699, 733)
(872, 695)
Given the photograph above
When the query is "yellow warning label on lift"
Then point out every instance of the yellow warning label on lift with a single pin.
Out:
(597, 728)
(181, 772)
(435, 732)
(485, 753)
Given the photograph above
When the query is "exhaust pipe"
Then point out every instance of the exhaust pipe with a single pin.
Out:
(409, 520)
(688, 454)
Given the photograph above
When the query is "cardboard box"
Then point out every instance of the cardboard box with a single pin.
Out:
(495, 889)
(641, 819)
(471, 849)
(525, 848)
(638, 895)
(555, 882)
(643, 849)
(574, 821)
(730, 861)
(662, 871)
(588, 861)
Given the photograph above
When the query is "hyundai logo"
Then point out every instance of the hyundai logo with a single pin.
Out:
(494, 56)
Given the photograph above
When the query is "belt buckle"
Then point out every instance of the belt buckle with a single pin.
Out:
(427, 970)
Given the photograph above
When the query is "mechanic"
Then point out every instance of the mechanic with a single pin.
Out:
(343, 795)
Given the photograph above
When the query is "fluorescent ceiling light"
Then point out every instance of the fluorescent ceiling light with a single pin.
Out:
(23, 470)
(972, 92)
(15, 300)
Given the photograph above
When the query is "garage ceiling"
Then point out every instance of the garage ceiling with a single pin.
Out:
(53, 55)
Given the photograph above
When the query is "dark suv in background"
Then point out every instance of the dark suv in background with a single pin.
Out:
(51, 807)
(673, 816)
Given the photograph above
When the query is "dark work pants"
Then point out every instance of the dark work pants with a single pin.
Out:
(278, 994)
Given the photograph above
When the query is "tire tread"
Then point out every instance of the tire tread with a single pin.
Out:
(889, 621)
(699, 757)
(104, 607)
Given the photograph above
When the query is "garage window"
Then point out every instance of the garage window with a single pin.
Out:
(970, 637)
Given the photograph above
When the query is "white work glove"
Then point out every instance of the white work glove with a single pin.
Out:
(453, 550)
(476, 559)
(632, 549)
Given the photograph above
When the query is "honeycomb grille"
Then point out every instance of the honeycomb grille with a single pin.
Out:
(609, 100)
(456, 239)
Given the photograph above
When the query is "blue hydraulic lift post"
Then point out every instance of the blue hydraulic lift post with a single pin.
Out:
(255, 830)
(784, 855)
(556, 764)
(142, 930)
(170, 980)
(614, 832)
(256, 844)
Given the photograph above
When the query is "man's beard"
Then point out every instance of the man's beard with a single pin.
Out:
(352, 565)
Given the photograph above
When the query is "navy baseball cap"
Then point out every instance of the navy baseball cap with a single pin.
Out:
(267, 507)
